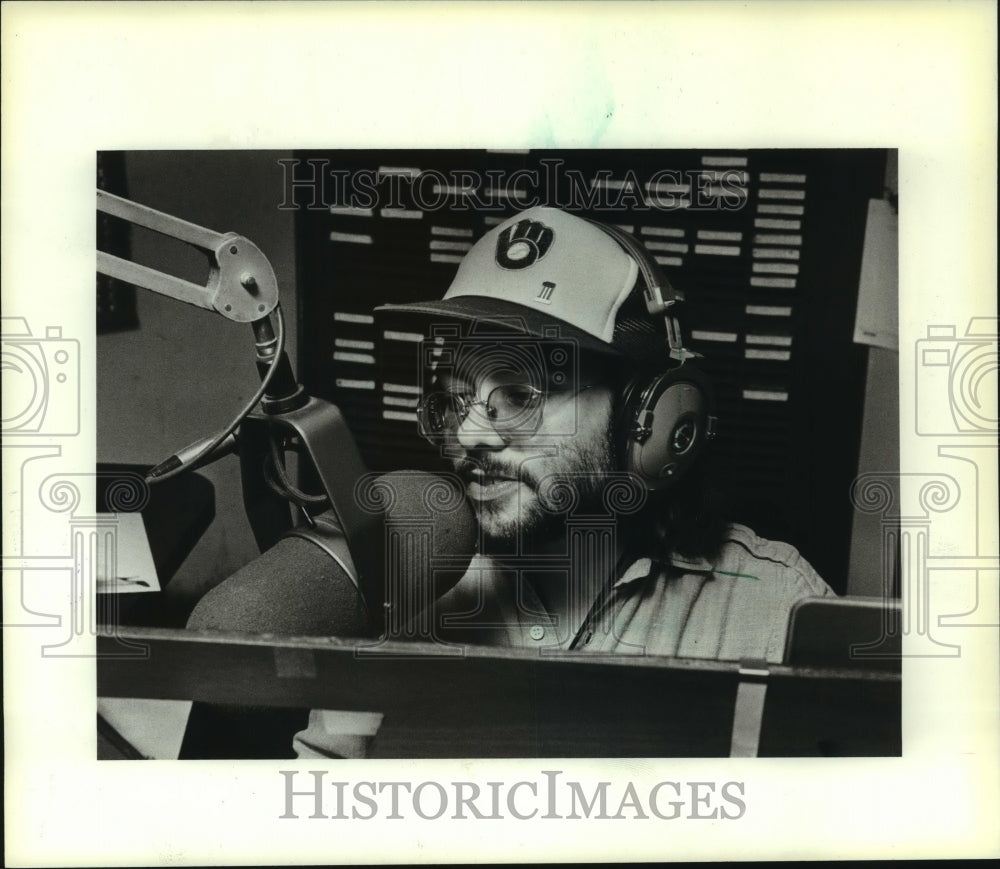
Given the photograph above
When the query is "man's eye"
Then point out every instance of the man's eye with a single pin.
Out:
(520, 397)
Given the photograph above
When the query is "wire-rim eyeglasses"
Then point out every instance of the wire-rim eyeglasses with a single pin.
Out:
(512, 410)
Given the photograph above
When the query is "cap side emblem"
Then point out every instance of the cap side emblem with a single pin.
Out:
(545, 293)
(523, 244)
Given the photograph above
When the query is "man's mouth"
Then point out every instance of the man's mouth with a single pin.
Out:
(483, 486)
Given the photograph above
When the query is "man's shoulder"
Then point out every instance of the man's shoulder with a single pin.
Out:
(744, 555)
(731, 605)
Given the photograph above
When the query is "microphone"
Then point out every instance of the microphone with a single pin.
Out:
(307, 584)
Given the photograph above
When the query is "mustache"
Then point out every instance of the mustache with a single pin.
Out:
(488, 466)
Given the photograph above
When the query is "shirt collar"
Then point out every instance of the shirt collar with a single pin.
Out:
(643, 567)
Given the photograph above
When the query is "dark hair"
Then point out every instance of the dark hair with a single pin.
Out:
(690, 519)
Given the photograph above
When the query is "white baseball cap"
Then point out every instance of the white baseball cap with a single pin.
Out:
(546, 267)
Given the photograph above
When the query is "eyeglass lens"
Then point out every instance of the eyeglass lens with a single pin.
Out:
(509, 408)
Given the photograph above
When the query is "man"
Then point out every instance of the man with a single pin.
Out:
(558, 388)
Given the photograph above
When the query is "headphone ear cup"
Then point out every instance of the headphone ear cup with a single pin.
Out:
(667, 424)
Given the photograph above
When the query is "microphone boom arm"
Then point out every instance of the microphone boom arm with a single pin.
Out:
(242, 287)
(241, 284)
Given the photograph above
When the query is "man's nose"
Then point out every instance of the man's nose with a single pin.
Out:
(477, 432)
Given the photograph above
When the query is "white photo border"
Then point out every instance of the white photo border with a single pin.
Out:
(921, 77)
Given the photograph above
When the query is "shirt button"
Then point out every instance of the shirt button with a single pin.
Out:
(536, 632)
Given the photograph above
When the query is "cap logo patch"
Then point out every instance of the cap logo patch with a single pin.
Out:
(523, 244)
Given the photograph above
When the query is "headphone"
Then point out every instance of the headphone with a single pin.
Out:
(666, 419)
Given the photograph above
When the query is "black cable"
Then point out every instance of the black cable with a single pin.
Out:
(250, 405)
(277, 479)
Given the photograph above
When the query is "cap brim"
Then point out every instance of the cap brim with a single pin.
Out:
(507, 316)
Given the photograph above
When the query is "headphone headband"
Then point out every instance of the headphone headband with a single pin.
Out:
(659, 294)
(667, 418)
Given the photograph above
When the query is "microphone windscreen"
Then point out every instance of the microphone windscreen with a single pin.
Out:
(430, 534)
(294, 588)
(426, 537)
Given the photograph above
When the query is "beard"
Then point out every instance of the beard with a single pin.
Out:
(548, 489)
